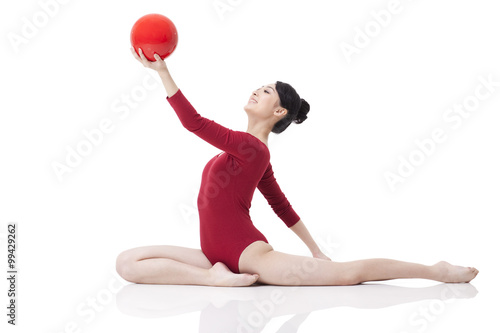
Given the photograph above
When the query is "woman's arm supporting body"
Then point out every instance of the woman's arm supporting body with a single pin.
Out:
(300, 230)
(269, 187)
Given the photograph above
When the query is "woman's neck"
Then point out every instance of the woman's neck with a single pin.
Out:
(259, 131)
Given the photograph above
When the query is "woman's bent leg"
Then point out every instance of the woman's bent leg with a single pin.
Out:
(166, 264)
(284, 269)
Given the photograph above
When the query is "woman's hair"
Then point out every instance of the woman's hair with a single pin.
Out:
(297, 107)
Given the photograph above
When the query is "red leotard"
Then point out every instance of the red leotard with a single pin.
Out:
(227, 185)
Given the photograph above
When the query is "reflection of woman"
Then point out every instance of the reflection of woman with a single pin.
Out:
(233, 252)
(250, 309)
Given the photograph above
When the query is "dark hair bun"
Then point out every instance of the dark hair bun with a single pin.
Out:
(303, 111)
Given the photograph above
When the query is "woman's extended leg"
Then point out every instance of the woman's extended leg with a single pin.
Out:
(284, 269)
(166, 264)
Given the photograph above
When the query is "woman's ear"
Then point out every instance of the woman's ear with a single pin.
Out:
(281, 112)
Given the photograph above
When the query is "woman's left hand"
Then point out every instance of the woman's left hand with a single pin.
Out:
(320, 255)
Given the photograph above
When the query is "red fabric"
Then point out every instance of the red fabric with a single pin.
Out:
(228, 183)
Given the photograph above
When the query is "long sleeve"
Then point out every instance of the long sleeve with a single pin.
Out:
(210, 131)
(269, 187)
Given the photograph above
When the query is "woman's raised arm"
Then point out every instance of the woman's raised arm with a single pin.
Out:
(235, 143)
(161, 67)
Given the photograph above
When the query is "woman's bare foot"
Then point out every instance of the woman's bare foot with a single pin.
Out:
(446, 272)
(221, 276)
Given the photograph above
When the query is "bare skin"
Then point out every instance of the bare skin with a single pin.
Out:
(164, 264)
(279, 268)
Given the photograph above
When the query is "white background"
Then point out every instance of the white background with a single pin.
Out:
(139, 184)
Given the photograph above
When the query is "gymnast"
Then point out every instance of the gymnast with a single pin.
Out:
(233, 251)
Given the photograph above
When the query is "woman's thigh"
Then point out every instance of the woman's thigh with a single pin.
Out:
(280, 268)
(194, 257)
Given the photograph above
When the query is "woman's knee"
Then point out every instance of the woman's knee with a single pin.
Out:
(125, 266)
(349, 275)
(347, 280)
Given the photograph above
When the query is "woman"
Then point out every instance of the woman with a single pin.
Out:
(233, 252)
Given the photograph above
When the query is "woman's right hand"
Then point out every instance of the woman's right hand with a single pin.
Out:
(159, 65)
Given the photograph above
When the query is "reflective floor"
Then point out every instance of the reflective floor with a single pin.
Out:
(252, 309)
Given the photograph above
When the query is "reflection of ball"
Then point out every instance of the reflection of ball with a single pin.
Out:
(154, 33)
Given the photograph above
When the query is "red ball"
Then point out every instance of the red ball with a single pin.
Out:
(154, 33)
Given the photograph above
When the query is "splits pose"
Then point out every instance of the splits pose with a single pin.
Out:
(233, 252)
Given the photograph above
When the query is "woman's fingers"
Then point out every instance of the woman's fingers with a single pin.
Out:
(136, 56)
(141, 54)
(145, 61)
(159, 64)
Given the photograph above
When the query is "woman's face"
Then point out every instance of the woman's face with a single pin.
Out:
(264, 103)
